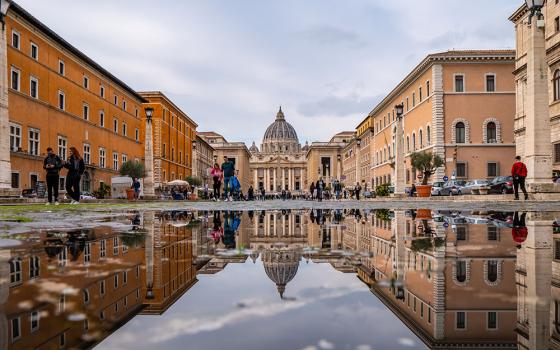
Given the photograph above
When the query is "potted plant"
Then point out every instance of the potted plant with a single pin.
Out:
(426, 163)
(194, 182)
(134, 170)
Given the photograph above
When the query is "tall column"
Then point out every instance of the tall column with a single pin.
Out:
(266, 177)
(538, 149)
(358, 169)
(149, 162)
(275, 179)
(283, 174)
(256, 179)
(5, 164)
(399, 158)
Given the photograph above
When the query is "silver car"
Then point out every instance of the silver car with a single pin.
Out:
(453, 188)
(474, 184)
(436, 188)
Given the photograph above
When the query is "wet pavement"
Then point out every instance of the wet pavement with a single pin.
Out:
(166, 278)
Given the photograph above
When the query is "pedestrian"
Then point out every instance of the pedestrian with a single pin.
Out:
(52, 164)
(76, 168)
(217, 177)
(228, 169)
(205, 192)
(412, 190)
(337, 189)
(519, 173)
(136, 187)
(263, 193)
(312, 190)
(319, 187)
(251, 193)
(357, 190)
(236, 186)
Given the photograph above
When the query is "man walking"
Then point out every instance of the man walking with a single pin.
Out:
(519, 173)
(357, 190)
(52, 164)
(228, 169)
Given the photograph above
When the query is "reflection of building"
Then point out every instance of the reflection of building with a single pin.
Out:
(173, 135)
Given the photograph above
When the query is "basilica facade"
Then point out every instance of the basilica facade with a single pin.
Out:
(280, 163)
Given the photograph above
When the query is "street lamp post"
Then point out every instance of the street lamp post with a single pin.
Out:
(400, 183)
(194, 159)
(149, 192)
(6, 189)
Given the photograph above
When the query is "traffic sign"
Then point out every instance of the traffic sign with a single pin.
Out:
(445, 224)
(445, 178)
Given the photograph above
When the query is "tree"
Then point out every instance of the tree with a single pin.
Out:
(194, 181)
(134, 169)
(427, 163)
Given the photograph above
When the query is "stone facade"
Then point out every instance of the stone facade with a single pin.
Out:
(203, 160)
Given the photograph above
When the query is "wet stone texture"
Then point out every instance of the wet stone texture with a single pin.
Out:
(340, 276)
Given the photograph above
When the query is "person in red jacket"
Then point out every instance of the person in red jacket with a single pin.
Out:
(519, 173)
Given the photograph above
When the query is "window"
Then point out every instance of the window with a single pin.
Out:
(124, 105)
(116, 99)
(102, 287)
(15, 39)
(86, 296)
(15, 79)
(427, 88)
(87, 153)
(115, 161)
(461, 169)
(492, 270)
(490, 83)
(124, 129)
(34, 142)
(34, 319)
(492, 169)
(61, 100)
(460, 132)
(63, 256)
(124, 158)
(34, 266)
(102, 157)
(16, 328)
(136, 112)
(137, 135)
(87, 252)
(61, 67)
(34, 87)
(115, 125)
(102, 119)
(408, 143)
(115, 245)
(85, 112)
(557, 24)
(163, 150)
(62, 340)
(15, 137)
(116, 281)
(413, 141)
(407, 103)
(413, 99)
(62, 147)
(428, 135)
(461, 320)
(86, 82)
(125, 277)
(420, 94)
(459, 83)
(461, 271)
(491, 134)
(491, 233)
(420, 139)
(557, 153)
(102, 91)
(492, 317)
(15, 271)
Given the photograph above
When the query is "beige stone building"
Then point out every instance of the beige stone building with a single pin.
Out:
(236, 152)
(203, 160)
(324, 159)
(457, 104)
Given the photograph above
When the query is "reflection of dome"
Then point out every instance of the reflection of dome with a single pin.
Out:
(281, 266)
(280, 130)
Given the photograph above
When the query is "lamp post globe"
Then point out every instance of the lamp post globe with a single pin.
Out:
(534, 4)
(149, 113)
(399, 110)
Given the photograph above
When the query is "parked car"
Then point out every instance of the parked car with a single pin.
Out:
(437, 187)
(501, 184)
(453, 188)
(474, 185)
(87, 195)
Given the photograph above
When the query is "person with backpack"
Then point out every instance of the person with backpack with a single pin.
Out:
(519, 173)
(228, 169)
(52, 164)
(76, 169)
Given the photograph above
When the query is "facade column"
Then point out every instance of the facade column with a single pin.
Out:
(256, 177)
(6, 189)
(339, 167)
(148, 189)
(358, 170)
(266, 177)
(400, 164)
(438, 122)
(283, 174)
(274, 179)
(537, 147)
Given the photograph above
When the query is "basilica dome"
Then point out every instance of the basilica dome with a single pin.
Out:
(280, 130)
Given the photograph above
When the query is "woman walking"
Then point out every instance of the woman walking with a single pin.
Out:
(76, 168)
(217, 176)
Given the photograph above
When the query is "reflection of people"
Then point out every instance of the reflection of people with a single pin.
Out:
(217, 230)
(519, 230)
(231, 224)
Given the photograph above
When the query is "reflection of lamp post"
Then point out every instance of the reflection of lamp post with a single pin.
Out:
(149, 156)
(5, 164)
(399, 152)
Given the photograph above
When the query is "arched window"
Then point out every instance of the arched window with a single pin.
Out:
(461, 271)
(556, 84)
(491, 134)
(460, 132)
(428, 135)
(408, 144)
(492, 271)
(420, 141)
(413, 141)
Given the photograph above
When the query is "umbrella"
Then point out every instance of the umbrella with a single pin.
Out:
(178, 183)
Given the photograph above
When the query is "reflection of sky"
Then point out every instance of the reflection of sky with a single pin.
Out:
(239, 308)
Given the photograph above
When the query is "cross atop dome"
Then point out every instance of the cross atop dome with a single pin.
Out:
(280, 114)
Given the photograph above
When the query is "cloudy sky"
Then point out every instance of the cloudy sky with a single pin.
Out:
(230, 64)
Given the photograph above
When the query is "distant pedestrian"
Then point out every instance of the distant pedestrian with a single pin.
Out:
(357, 190)
(205, 192)
(76, 169)
(312, 190)
(519, 173)
(337, 189)
(251, 193)
(228, 168)
(263, 193)
(52, 164)
(217, 177)
(320, 187)
(412, 190)
(136, 187)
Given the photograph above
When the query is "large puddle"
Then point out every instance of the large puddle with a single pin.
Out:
(321, 279)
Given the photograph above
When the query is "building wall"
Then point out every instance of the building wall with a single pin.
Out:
(204, 160)
(43, 115)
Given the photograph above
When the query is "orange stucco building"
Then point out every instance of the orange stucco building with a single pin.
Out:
(173, 135)
(59, 97)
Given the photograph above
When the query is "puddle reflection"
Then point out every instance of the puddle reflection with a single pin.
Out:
(447, 279)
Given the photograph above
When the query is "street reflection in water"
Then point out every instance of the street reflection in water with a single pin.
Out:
(321, 279)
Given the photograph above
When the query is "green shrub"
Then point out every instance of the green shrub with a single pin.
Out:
(194, 181)
(103, 191)
(133, 169)
(382, 190)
